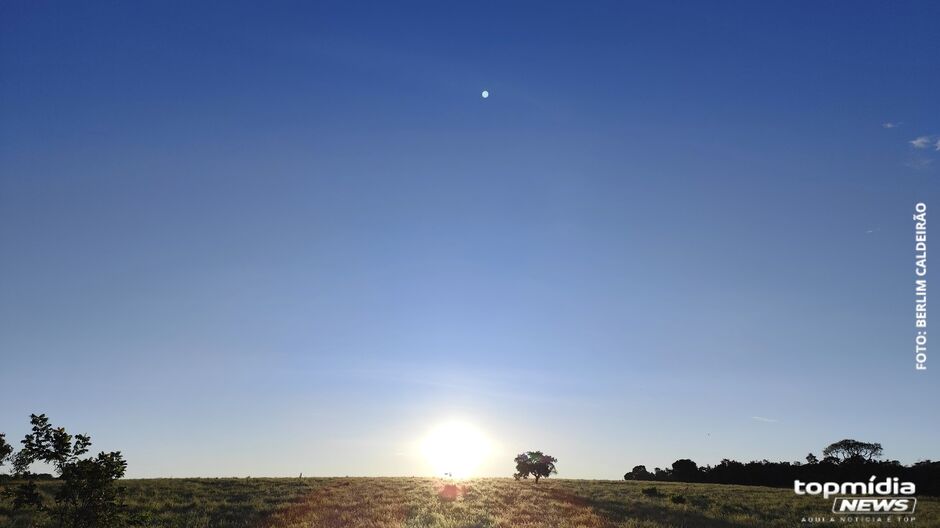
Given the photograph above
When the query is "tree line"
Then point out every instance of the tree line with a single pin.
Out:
(847, 460)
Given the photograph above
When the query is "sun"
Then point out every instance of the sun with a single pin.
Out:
(455, 449)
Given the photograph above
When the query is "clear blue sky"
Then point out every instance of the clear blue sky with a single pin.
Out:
(245, 239)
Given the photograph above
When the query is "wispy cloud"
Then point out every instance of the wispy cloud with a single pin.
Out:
(924, 142)
(763, 419)
(923, 160)
(890, 124)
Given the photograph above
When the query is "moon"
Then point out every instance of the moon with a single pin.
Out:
(485, 94)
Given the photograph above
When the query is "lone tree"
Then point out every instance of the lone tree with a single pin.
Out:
(87, 496)
(536, 464)
(853, 451)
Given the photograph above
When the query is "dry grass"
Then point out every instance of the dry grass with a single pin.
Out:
(419, 502)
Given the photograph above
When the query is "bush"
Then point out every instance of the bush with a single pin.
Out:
(700, 501)
(650, 491)
(678, 499)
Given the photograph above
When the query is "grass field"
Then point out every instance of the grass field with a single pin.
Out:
(422, 502)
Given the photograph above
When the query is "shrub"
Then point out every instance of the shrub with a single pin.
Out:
(700, 501)
(650, 491)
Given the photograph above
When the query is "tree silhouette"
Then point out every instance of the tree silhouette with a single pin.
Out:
(638, 473)
(536, 464)
(685, 470)
(87, 496)
(846, 460)
(5, 449)
(848, 450)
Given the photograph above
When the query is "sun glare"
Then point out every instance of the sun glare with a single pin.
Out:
(455, 449)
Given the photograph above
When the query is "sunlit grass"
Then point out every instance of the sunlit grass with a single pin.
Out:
(478, 503)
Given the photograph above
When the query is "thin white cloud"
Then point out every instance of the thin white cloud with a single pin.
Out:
(922, 161)
(890, 125)
(763, 419)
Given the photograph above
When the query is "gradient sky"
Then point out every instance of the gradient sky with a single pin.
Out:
(245, 239)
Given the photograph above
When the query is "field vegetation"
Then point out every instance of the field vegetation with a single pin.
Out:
(424, 502)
